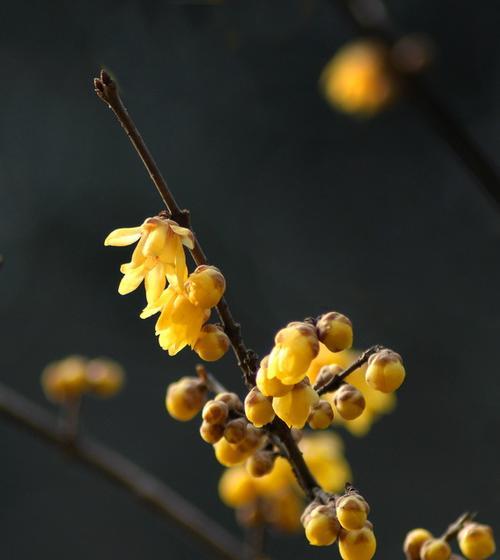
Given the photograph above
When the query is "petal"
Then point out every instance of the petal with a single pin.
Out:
(161, 303)
(154, 283)
(123, 236)
(185, 234)
(177, 272)
(130, 282)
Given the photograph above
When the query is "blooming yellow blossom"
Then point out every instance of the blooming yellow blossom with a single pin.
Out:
(158, 256)
(294, 407)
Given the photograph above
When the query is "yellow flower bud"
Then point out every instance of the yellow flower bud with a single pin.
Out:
(357, 545)
(435, 549)
(236, 487)
(321, 415)
(322, 527)
(476, 541)
(294, 407)
(258, 408)
(215, 412)
(349, 402)
(65, 380)
(358, 78)
(251, 441)
(270, 387)
(326, 374)
(352, 511)
(335, 331)
(185, 398)
(231, 399)
(414, 541)
(229, 455)
(295, 348)
(385, 371)
(236, 430)
(205, 286)
(212, 343)
(104, 377)
(211, 433)
(260, 463)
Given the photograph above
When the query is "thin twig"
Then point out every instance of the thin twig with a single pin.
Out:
(337, 381)
(455, 527)
(371, 18)
(123, 472)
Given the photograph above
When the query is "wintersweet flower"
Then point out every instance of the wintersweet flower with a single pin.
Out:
(158, 257)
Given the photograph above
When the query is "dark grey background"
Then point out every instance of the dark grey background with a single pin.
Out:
(304, 210)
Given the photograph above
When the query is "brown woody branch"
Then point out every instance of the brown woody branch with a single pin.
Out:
(123, 472)
(455, 527)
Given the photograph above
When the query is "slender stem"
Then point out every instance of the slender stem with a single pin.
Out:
(123, 472)
(455, 527)
(107, 91)
(370, 17)
(337, 381)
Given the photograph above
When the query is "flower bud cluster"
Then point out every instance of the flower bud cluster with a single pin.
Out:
(185, 304)
(343, 519)
(69, 379)
(476, 542)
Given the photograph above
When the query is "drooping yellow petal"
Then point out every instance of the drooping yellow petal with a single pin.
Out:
(176, 270)
(130, 281)
(185, 234)
(162, 303)
(155, 282)
(122, 237)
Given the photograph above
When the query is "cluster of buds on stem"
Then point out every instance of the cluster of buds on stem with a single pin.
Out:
(344, 519)
(476, 542)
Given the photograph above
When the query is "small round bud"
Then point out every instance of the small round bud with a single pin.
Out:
(65, 380)
(104, 377)
(326, 374)
(258, 408)
(294, 407)
(231, 399)
(321, 526)
(321, 415)
(211, 433)
(229, 455)
(260, 463)
(476, 541)
(236, 430)
(251, 441)
(357, 545)
(335, 331)
(385, 371)
(352, 511)
(215, 412)
(212, 343)
(185, 398)
(349, 402)
(205, 286)
(270, 387)
(435, 549)
(414, 541)
(236, 487)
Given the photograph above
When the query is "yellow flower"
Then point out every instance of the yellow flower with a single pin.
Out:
(323, 455)
(357, 79)
(294, 407)
(158, 256)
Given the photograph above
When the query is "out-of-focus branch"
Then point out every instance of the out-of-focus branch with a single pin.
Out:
(371, 18)
(125, 473)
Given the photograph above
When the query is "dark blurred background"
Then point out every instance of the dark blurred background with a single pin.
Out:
(303, 208)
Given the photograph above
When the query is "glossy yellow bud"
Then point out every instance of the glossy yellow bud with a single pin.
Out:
(294, 407)
(321, 415)
(258, 408)
(185, 398)
(212, 343)
(385, 371)
(349, 402)
(236, 430)
(435, 549)
(260, 463)
(211, 433)
(229, 455)
(205, 286)
(335, 331)
(236, 487)
(104, 377)
(270, 387)
(65, 380)
(357, 545)
(358, 79)
(414, 541)
(295, 348)
(352, 511)
(476, 541)
(215, 412)
(322, 527)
